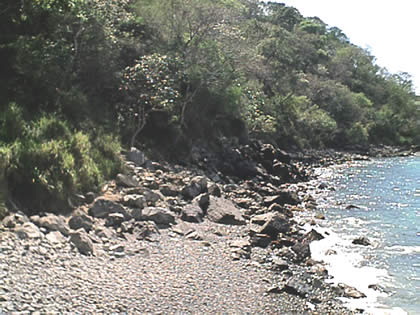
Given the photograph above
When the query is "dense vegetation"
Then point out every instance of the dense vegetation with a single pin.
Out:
(81, 77)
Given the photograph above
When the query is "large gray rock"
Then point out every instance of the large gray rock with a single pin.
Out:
(13, 220)
(349, 292)
(81, 220)
(103, 207)
(192, 213)
(197, 186)
(281, 198)
(160, 216)
(136, 156)
(223, 211)
(55, 237)
(135, 201)
(53, 222)
(126, 181)
(82, 242)
(270, 223)
(28, 230)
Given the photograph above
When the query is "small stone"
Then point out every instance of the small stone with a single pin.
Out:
(363, 240)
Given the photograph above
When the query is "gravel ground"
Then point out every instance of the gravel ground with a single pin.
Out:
(172, 275)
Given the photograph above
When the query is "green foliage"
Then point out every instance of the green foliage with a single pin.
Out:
(4, 164)
(51, 163)
(149, 85)
(12, 124)
(256, 113)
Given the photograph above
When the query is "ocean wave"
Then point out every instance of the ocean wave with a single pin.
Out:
(403, 250)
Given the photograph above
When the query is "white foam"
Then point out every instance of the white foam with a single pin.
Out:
(403, 250)
(344, 267)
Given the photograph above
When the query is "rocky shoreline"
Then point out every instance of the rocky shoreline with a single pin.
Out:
(222, 234)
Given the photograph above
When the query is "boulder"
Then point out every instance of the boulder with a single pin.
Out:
(55, 237)
(169, 190)
(281, 169)
(53, 222)
(81, 220)
(197, 186)
(104, 232)
(281, 198)
(223, 211)
(136, 156)
(160, 216)
(114, 219)
(349, 292)
(270, 223)
(13, 220)
(302, 251)
(103, 207)
(214, 190)
(126, 181)
(313, 235)
(202, 201)
(192, 213)
(260, 240)
(28, 230)
(145, 230)
(82, 242)
(134, 201)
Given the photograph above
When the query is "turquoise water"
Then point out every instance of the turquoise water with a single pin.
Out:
(387, 194)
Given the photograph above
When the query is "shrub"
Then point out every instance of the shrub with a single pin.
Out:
(50, 163)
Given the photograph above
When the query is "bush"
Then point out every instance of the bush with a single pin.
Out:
(51, 163)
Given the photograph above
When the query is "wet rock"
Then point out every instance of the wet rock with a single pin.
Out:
(363, 240)
(160, 216)
(82, 242)
(28, 230)
(136, 156)
(192, 213)
(126, 181)
(313, 235)
(53, 222)
(331, 252)
(348, 291)
(320, 216)
(81, 220)
(322, 185)
(103, 207)
(223, 211)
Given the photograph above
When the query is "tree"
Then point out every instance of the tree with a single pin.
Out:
(149, 85)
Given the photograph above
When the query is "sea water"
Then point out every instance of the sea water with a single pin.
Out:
(380, 200)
